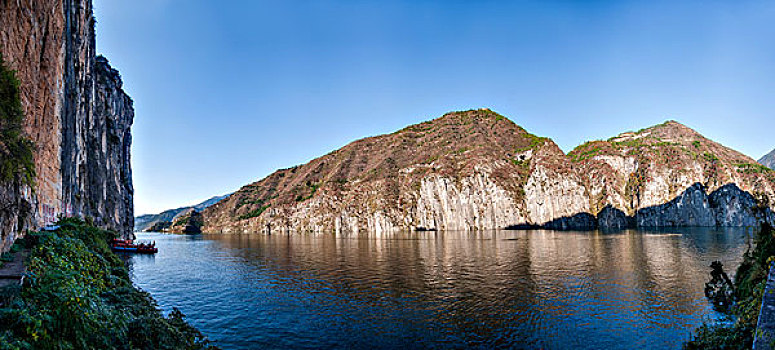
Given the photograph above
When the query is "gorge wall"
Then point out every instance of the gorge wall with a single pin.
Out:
(768, 160)
(76, 114)
(477, 170)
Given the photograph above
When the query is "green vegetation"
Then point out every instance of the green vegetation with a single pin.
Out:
(586, 151)
(696, 144)
(710, 157)
(533, 141)
(78, 295)
(313, 187)
(749, 284)
(632, 143)
(16, 151)
(751, 168)
(254, 213)
(518, 162)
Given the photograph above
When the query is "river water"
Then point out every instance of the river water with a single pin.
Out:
(509, 289)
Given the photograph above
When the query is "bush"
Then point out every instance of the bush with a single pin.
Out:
(78, 295)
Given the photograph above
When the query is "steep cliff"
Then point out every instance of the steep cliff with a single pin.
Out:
(768, 160)
(76, 114)
(478, 170)
(662, 176)
(462, 171)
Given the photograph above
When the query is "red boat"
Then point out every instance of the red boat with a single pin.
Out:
(129, 246)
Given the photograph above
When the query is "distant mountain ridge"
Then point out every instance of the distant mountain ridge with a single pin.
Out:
(144, 222)
(768, 160)
(476, 170)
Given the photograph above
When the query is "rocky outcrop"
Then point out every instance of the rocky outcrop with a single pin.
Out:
(159, 226)
(477, 170)
(768, 160)
(148, 221)
(661, 176)
(189, 221)
(75, 113)
(727, 206)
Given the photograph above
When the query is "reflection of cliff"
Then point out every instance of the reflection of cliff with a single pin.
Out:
(75, 111)
(523, 285)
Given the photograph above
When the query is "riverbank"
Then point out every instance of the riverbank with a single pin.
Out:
(77, 294)
(738, 331)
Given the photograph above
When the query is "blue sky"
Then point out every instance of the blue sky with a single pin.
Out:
(228, 91)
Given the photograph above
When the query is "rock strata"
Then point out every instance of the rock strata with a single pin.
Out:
(477, 170)
(76, 113)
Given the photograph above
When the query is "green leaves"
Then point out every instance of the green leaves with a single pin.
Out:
(78, 295)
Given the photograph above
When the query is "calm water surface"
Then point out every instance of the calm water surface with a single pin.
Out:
(508, 289)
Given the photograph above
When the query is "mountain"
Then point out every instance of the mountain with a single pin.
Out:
(167, 217)
(768, 160)
(670, 175)
(76, 114)
(476, 170)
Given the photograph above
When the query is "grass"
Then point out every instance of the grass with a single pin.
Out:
(78, 295)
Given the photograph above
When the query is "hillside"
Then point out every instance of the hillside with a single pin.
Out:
(464, 170)
(145, 222)
(478, 170)
(768, 160)
(637, 173)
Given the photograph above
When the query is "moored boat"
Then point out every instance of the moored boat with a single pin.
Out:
(129, 246)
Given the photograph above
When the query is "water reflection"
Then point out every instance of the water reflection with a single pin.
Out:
(517, 289)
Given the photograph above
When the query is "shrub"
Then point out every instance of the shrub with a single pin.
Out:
(78, 295)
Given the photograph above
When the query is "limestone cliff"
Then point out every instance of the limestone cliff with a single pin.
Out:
(76, 114)
(477, 170)
(665, 175)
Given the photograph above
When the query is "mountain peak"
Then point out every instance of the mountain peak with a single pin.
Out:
(768, 160)
(473, 115)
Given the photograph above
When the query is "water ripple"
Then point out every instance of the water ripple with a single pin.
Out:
(500, 289)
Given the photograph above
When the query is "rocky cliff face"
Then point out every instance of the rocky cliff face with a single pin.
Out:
(768, 160)
(477, 170)
(76, 113)
(662, 176)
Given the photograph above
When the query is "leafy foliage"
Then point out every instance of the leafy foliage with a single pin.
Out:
(78, 295)
(16, 151)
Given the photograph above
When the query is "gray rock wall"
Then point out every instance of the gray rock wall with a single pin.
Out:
(75, 112)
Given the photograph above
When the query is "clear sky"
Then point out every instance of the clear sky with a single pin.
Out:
(228, 91)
